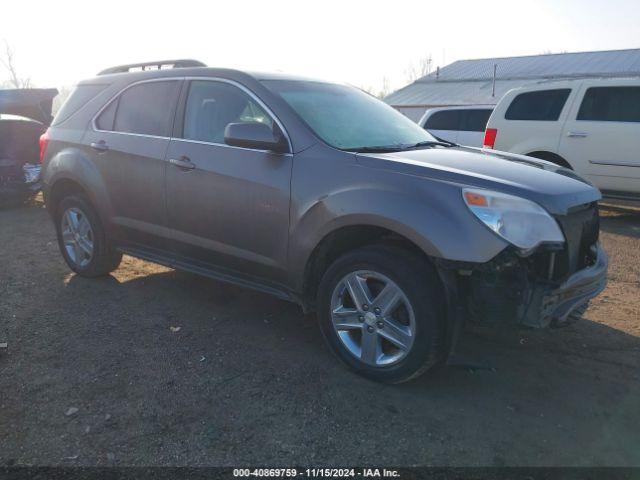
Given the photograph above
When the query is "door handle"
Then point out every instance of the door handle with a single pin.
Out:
(100, 146)
(184, 163)
(577, 134)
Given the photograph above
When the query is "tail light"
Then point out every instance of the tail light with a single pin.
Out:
(44, 141)
(490, 135)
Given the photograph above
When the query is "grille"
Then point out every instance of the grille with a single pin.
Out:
(581, 228)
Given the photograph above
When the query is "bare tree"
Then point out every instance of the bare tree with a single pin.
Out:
(381, 92)
(386, 88)
(8, 62)
(413, 72)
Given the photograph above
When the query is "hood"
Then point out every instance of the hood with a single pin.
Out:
(555, 188)
(33, 103)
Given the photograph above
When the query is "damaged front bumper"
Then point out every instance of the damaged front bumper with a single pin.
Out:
(555, 304)
(517, 290)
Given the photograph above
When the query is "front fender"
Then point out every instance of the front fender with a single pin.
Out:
(432, 215)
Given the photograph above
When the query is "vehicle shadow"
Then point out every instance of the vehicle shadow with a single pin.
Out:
(544, 390)
(169, 368)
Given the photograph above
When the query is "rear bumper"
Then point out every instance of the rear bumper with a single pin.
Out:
(556, 304)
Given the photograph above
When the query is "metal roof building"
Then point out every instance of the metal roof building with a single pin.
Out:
(471, 82)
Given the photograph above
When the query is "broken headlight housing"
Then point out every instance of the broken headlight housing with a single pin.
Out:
(520, 222)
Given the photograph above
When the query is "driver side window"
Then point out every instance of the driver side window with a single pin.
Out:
(212, 105)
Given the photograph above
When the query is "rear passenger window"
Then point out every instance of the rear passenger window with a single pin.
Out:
(542, 105)
(611, 104)
(212, 105)
(145, 109)
(443, 120)
(474, 120)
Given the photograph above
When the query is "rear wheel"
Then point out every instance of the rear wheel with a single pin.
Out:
(82, 239)
(381, 312)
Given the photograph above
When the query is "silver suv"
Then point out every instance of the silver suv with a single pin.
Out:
(320, 194)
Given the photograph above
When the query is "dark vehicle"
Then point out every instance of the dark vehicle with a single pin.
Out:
(24, 117)
(320, 194)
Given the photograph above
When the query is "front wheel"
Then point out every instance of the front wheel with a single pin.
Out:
(381, 311)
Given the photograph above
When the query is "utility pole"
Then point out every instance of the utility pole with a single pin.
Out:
(493, 88)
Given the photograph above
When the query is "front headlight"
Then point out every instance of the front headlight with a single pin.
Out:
(520, 222)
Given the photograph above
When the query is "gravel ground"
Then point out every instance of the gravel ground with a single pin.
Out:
(156, 367)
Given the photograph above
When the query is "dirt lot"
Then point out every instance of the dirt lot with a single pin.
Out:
(247, 380)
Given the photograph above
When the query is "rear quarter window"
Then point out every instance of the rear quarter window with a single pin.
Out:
(80, 95)
(106, 118)
(611, 104)
(541, 105)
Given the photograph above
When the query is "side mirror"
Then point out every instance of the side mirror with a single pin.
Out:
(255, 135)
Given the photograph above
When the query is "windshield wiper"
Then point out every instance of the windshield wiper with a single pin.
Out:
(376, 149)
(431, 143)
(401, 147)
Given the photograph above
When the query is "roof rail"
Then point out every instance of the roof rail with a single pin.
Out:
(179, 63)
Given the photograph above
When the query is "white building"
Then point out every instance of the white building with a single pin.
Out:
(472, 82)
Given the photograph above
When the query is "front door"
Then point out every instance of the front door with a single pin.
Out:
(602, 137)
(228, 207)
(128, 146)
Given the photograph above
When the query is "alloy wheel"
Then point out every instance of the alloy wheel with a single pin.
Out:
(77, 236)
(373, 318)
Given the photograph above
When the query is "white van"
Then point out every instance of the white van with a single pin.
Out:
(590, 125)
(462, 125)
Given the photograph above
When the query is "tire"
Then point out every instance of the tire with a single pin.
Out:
(416, 320)
(103, 259)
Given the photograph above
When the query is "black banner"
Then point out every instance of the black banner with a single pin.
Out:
(399, 473)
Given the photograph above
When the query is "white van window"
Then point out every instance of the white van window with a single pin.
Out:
(443, 120)
(611, 104)
(474, 120)
(540, 105)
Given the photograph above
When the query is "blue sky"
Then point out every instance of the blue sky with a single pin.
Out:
(359, 42)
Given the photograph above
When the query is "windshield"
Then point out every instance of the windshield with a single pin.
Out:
(347, 118)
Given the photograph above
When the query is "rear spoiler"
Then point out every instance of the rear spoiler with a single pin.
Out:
(33, 103)
(160, 64)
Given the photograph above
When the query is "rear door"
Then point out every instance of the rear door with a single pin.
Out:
(444, 124)
(602, 134)
(228, 207)
(128, 145)
(472, 125)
